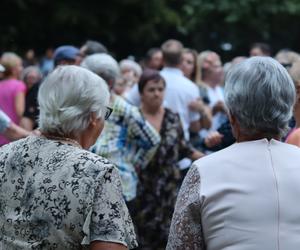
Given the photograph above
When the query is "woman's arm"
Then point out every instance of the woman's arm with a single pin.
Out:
(20, 104)
(186, 228)
(14, 132)
(26, 123)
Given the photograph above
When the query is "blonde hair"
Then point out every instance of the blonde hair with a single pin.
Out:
(200, 62)
(287, 58)
(295, 72)
(9, 61)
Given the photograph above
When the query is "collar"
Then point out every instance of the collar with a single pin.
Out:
(172, 70)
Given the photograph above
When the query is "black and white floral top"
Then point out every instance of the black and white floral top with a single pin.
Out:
(54, 195)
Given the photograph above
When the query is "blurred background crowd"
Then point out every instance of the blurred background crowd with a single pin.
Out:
(168, 110)
(167, 95)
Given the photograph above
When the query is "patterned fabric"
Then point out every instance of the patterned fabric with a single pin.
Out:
(186, 231)
(159, 184)
(128, 141)
(54, 195)
(4, 121)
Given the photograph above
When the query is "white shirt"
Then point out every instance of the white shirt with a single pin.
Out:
(243, 197)
(4, 121)
(215, 95)
(180, 91)
(133, 96)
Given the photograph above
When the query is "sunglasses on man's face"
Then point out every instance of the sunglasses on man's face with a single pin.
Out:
(108, 113)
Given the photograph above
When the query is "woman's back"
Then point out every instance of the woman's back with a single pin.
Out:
(246, 197)
(57, 196)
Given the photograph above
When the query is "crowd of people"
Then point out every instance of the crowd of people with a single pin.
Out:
(107, 146)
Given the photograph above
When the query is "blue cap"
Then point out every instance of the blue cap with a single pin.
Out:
(66, 52)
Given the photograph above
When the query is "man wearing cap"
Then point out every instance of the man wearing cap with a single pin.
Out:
(66, 55)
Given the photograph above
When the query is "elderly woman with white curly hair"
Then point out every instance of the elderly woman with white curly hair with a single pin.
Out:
(54, 194)
(247, 195)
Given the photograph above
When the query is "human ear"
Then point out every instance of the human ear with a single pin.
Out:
(93, 119)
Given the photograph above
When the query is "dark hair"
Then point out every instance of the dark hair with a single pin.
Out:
(172, 52)
(150, 53)
(148, 75)
(264, 47)
(194, 53)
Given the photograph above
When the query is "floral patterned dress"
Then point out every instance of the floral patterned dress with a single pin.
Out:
(54, 195)
(159, 184)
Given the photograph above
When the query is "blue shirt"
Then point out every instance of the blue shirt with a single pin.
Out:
(128, 141)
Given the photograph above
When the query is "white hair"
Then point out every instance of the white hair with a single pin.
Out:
(260, 93)
(129, 64)
(103, 65)
(67, 98)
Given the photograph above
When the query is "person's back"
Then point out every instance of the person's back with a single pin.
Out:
(245, 196)
(250, 193)
(180, 91)
(48, 193)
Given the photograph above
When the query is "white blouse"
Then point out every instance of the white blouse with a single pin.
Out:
(243, 197)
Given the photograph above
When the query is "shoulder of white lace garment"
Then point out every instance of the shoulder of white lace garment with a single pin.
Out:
(186, 229)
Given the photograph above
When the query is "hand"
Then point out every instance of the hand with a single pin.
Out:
(219, 107)
(213, 139)
(197, 106)
(36, 132)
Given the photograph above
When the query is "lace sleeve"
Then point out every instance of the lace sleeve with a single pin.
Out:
(186, 230)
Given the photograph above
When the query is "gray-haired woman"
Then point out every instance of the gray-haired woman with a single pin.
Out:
(247, 195)
(54, 194)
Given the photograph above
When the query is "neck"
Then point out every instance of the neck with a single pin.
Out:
(258, 136)
(210, 82)
(77, 141)
(151, 110)
(172, 66)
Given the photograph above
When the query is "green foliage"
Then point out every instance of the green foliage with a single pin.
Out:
(133, 26)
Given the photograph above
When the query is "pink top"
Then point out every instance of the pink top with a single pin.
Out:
(8, 90)
(294, 137)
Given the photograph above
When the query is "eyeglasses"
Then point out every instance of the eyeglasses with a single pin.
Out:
(108, 113)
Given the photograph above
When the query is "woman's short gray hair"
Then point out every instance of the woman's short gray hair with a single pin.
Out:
(129, 64)
(260, 93)
(67, 98)
(103, 65)
(30, 69)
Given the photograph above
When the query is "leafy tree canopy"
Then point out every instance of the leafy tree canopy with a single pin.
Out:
(130, 27)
